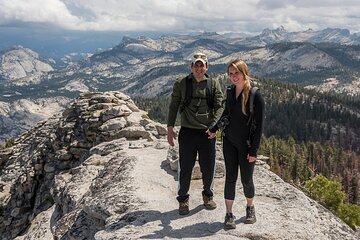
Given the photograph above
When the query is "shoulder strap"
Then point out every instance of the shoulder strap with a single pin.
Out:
(229, 89)
(188, 93)
(188, 90)
(251, 105)
(252, 96)
(209, 93)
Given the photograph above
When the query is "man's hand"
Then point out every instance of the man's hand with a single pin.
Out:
(171, 136)
(251, 158)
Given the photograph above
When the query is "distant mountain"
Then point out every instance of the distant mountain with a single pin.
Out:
(272, 36)
(19, 116)
(328, 35)
(19, 63)
(56, 43)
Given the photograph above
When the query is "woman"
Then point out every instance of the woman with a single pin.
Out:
(239, 145)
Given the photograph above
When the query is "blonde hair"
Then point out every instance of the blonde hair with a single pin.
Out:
(243, 68)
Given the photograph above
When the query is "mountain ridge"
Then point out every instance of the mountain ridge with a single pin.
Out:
(136, 52)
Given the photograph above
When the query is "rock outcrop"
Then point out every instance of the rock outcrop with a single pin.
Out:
(101, 170)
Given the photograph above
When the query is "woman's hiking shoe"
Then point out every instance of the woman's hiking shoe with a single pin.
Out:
(250, 215)
(229, 221)
(209, 202)
(184, 207)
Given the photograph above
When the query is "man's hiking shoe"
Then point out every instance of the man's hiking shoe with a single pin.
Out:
(209, 202)
(184, 207)
(250, 215)
(229, 221)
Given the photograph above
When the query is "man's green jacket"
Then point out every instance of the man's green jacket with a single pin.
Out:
(197, 114)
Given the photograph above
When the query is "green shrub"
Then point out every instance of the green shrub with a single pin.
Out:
(329, 194)
(350, 214)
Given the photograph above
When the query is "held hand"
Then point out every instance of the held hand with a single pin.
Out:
(251, 159)
(171, 136)
(210, 134)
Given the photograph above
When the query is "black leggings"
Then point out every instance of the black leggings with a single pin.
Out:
(191, 142)
(236, 156)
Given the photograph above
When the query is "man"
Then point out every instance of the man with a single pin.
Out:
(198, 113)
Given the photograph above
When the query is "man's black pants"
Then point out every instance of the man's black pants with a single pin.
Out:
(191, 143)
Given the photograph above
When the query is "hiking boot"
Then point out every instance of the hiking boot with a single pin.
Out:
(184, 207)
(229, 221)
(209, 202)
(250, 215)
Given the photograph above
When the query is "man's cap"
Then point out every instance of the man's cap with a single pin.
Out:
(199, 56)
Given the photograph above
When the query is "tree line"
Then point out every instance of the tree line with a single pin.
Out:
(298, 162)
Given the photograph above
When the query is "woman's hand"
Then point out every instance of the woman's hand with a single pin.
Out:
(210, 134)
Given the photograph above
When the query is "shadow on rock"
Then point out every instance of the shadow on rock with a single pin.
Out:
(166, 167)
(139, 218)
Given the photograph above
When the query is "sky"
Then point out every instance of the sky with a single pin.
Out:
(180, 16)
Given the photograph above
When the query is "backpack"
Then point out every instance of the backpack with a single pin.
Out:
(251, 106)
(189, 91)
(251, 120)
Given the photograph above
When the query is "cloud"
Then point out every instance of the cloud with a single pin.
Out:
(302, 14)
(49, 11)
(183, 16)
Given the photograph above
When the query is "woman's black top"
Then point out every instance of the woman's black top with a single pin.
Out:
(237, 131)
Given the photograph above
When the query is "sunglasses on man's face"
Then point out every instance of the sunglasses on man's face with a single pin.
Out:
(197, 56)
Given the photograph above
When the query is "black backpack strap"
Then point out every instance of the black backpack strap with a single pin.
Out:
(188, 90)
(188, 93)
(229, 90)
(252, 96)
(209, 93)
(251, 105)
(251, 122)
